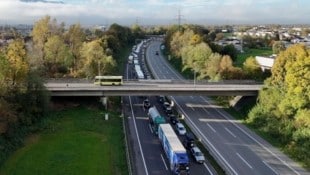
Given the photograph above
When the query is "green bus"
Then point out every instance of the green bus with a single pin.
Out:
(108, 80)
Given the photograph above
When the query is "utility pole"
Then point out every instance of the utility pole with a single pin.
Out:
(179, 19)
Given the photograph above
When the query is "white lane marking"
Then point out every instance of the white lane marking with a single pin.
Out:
(151, 128)
(230, 132)
(270, 167)
(206, 166)
(192, 108)
(162, 158)
(197, 129)
(205, 138)
(244, 160)
(211, 127)
(267, 149)
(206, 110)
(140, 147)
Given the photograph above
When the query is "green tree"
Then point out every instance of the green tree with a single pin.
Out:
(212, 67)
(57, 55)
(40, 33)
(283, 108)
(277, 47)
(252, 69)
(96, 62)
(75, 38)
(195, 56)
(4, 74)
(230, 50)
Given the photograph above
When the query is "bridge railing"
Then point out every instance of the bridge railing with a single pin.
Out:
(156, 81)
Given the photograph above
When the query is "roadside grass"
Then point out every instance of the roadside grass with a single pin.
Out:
(251, 52)
(73, 141)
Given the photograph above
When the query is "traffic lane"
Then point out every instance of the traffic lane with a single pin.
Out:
(260, 148)
(195, 168)
(150, 144)
(289, 169)
(158, 66)
(133, 143)
(147, 161)
(162, 69)
(217, 127)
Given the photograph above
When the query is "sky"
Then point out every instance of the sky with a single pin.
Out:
(154, 12)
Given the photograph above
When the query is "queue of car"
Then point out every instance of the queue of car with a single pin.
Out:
(188, 137)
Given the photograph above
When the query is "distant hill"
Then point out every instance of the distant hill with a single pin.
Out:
(45, 1)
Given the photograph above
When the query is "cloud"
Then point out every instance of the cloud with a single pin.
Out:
(153, 11)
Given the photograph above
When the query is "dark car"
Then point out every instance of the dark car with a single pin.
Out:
(161, 99)
(189, 140)
(174, 120)
(156, 53)
(146, 104)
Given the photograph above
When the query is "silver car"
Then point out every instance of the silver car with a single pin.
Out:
(198, 155)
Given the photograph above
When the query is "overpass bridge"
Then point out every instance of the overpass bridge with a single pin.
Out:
(153, 88)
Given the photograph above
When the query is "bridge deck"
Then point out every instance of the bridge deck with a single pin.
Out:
(144, 88)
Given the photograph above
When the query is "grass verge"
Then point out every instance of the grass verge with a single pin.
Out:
(73, 141)
(251, 52)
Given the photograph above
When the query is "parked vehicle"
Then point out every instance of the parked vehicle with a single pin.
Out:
(155, 119)
(174, 150)
(180, 129)
(197, 154)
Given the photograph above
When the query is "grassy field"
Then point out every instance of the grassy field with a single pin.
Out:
(74, 141)
(251, 52)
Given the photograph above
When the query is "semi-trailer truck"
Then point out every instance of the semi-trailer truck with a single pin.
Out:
(174, 150)
(155, 119)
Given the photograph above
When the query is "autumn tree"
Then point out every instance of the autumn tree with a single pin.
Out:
(75, 37)
(252, 69)
(96, 62)
(212, 67)
(195, 56)
(57, 55)
(40, 33)
(16, 56)
(283, 108)
(181, 40)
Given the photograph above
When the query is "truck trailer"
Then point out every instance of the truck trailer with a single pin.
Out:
(155, 119)
(174, 150)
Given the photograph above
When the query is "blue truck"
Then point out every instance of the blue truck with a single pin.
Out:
(155, 119)
(174, 150)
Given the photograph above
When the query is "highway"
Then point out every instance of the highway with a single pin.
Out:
(238, 150)
(145, 149)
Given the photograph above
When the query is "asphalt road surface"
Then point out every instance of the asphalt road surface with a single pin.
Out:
(145, 149)
(238, 150)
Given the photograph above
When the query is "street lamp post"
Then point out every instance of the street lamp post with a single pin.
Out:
(194, 78)
(99, 73)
